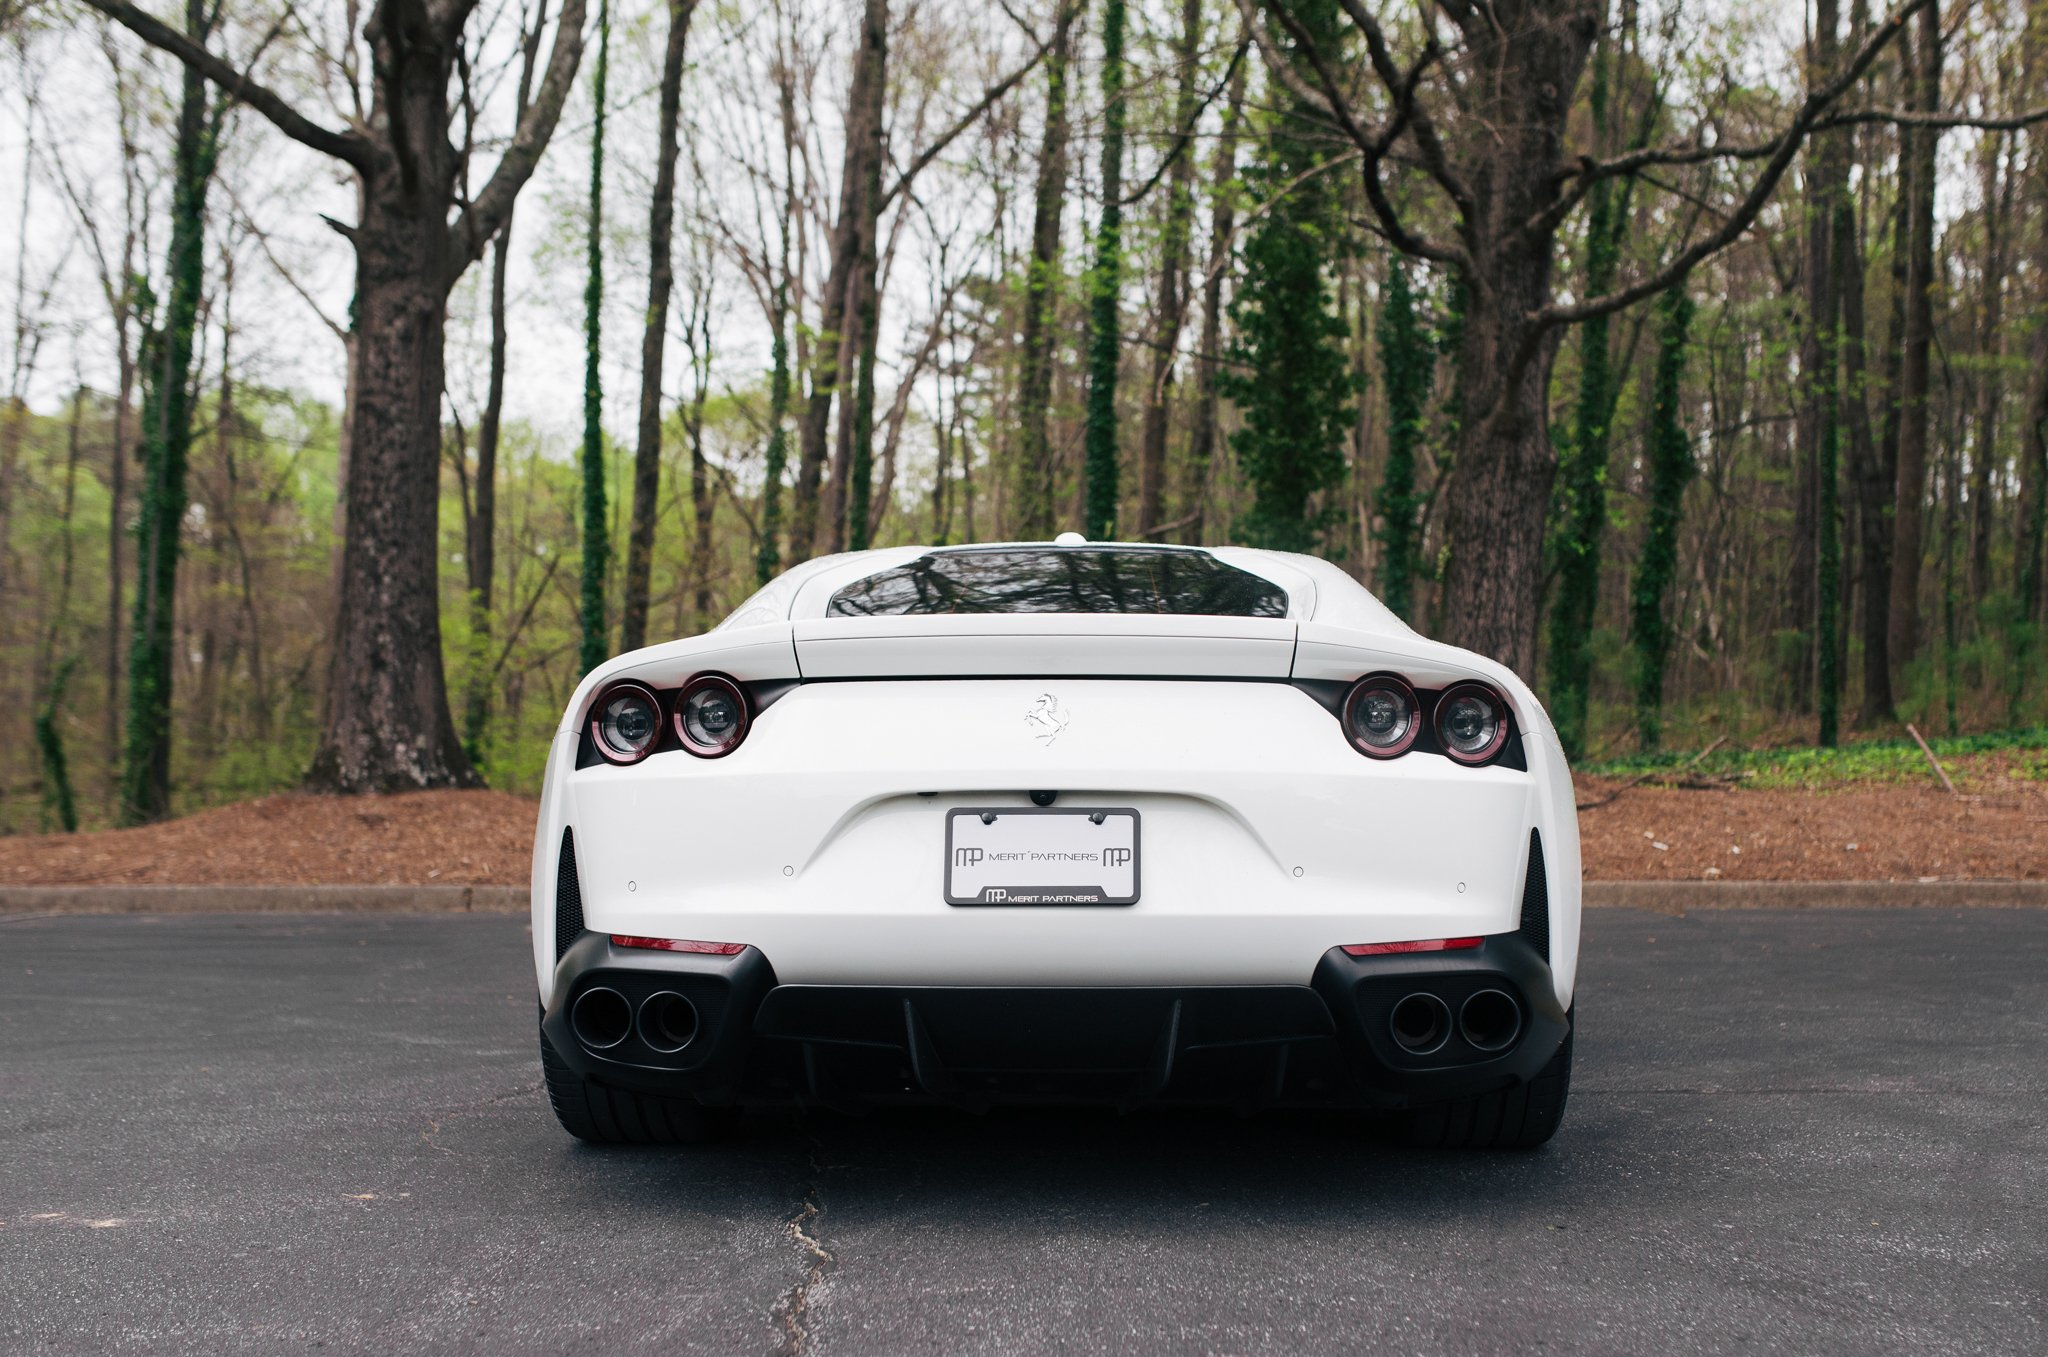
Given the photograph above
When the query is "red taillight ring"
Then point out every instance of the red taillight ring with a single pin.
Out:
(610, 752)
(1392, 682)
(1499, 742)
(715, 749)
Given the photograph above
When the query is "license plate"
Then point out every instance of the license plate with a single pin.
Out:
(1041, 856)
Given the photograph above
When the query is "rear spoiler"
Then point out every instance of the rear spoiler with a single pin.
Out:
(1043, 645)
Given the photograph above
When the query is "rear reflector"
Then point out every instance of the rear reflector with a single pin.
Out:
(685, 945)
(1384, 948)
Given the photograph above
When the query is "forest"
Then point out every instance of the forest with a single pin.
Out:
(376, 369)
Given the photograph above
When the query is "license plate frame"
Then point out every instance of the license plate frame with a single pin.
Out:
(1036, 823)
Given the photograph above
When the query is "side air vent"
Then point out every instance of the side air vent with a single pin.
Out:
(569, 898)
(1536, 899)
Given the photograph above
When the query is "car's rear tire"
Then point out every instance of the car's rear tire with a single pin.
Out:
(600, 1115)
(1518, 1118)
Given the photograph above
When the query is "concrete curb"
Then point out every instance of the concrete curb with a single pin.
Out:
(38, 900)
(1676, 897)
(1668, 897)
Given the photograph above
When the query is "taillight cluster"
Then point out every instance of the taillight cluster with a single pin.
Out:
(708, 715)
(1385, 718)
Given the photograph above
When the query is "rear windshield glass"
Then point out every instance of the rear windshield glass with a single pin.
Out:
(1063, 580)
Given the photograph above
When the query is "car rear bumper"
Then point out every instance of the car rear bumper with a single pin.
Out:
(1330, 1043)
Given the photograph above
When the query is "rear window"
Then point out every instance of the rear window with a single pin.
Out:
(1063, 580)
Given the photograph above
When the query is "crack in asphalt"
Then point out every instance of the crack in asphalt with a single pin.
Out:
(792, 1309)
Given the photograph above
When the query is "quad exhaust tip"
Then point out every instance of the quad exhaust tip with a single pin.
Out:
(1421, 1023)
(1490, 1020)
(668, 1022)
(601, 1018)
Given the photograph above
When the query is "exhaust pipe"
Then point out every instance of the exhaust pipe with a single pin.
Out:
(601, 1018)
(1420, 1023)
(668, 1022)
(1490, 1020)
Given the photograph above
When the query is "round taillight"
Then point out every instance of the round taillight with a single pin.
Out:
(1382, 716)
(1471, 723)
(711, 716)
(625, 723)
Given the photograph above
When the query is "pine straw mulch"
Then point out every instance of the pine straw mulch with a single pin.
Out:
(1709, 830)
(296, 839)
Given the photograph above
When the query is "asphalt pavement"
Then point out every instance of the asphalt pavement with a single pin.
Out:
(1803, 1131)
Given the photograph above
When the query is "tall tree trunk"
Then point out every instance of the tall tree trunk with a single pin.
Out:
(167, 443)
(1911, 491)
(1034, 477)
(1870, 476)
(1222, 227)
(1504, 462)
(1173, 266)
(1827, 177)
(117, 525)
(1671, 470)
(852, 526)
(703, 492)
(481, 550)
(768, 559)
(1583, 494)
(654, 335)
(1105, 288)
(387, 724)
(1996, 211)
(1408, 358)
(835, 347)
(597, 528)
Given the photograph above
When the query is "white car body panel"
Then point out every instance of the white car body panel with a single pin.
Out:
(1267, 838)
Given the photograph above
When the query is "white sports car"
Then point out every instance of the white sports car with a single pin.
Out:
(1057, 822)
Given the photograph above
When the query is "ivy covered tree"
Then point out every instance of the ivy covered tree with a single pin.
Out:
(1286, 367)
(1408, 357)
(1104, 286)
(1671, 470)
(597, 542)
(1582, 470)
(167, 359)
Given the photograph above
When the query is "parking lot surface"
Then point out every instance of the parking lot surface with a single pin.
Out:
(1815, 1132)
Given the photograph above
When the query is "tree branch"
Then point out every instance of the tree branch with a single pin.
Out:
(1372, 149)
(350, 147)
(1782, 151)
(966, 120)
(486, 216)
(1402, 91)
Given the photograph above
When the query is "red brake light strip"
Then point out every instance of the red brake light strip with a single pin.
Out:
(1387, 948)
(679, 945)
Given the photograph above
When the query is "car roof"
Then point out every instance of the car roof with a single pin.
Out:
(1316, 589)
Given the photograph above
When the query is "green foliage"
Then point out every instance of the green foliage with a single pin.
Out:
(1671, 470)
(2016, 753)
(1104, 285)
(1286, 367)
(595, 648)
(1409, 360)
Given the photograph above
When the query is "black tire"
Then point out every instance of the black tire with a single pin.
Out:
(1518, 1118)
(611, 1116)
